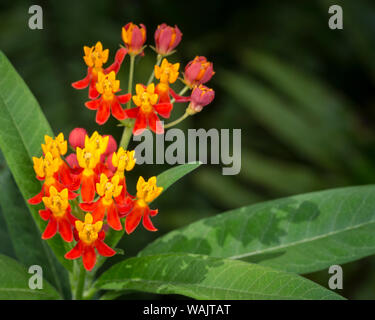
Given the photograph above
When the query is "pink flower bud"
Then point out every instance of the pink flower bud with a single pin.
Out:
(112, 145)
(198, 71)
(200, 97)
(72, 161)
(109, 163)
(77, 137)
(167, 38)
(134, 37)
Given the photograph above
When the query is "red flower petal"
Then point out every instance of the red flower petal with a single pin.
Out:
(103, 249)
(103, 113)
(75, 253)
(147, 221)
(164, 109)
(89, 258)
(88, 206)
(117, 110)
(133, 220)
(99, 211)
(132, 113)
(124, 98)
(88, 188)
(93, 104)
(36, 199)
(51, 229)
(93, 93)
(65, 230)
(81, 84)
(177, 97)
(45, 214)
(115, 66)
(113, 218)
(155, 124)
(140, 123)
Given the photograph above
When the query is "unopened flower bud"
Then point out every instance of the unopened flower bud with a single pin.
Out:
(167, 38)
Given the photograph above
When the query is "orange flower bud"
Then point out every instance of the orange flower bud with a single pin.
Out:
(134, 37)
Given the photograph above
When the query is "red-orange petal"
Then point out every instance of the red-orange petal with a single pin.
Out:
(45, 214)
(37, 198)
(51, 229)
(103, 249)
(113, 218)
(132, 220)
(117, 110)
(93, 93)
(65, 229)
(88, 188)
(147, 221)
(103, 113)
(93, 104)
(155, 124)
(140, 123)
(99, 211)
(89, 258)
(81, 84)
(164, 109)
(75, 253)
(124, 98)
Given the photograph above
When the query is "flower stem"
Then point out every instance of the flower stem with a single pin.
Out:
(158, 61)
(131, 74)
(173, 123)
(81, 283)
(126, 135)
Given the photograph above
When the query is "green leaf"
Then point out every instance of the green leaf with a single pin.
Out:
(203, 277)
(170, 176)
(25, 237)
(22, 130)
(14, 283)
(300, 234)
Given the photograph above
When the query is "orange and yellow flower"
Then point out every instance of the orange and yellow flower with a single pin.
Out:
(90, 236)
(147, 110)
(94, 58)
(58, 214)
(108, 103)
(146, 193)
(167, 73)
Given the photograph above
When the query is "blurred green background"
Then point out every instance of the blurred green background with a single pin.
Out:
(302, 94)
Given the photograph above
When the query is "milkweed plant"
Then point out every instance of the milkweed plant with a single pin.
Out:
(77, 190)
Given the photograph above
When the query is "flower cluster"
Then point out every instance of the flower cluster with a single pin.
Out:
(85, 194)
(151, 100)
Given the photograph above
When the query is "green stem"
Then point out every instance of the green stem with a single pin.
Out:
(158, 61)
(81, 283)
(126, 135)
(173, 123)
(131, 74)
(184, 89)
